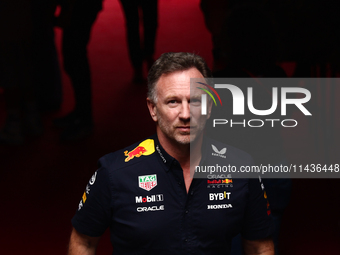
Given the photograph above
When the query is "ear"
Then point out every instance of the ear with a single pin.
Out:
(152, 109)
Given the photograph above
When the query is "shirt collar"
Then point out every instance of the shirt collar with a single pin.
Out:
(165, 158)
(168, 160)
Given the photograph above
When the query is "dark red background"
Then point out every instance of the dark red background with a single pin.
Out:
(43, 180)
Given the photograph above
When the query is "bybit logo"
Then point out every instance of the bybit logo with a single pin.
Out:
(219, 196)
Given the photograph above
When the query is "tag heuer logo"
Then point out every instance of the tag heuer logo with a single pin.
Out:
(219, 153)
(147, 182)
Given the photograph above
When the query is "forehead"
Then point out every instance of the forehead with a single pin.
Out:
(176, 82)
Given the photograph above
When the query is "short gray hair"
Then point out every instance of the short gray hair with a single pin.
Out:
(171, 62)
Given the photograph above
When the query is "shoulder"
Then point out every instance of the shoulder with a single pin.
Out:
(129, 156)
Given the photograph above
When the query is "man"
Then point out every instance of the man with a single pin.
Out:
(141, 48)
(77, 18)
(148, 198)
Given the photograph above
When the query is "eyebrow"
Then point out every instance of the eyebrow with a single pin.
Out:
(196, 96)
(170, 96)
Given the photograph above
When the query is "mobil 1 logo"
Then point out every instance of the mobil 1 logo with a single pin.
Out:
(149, 199)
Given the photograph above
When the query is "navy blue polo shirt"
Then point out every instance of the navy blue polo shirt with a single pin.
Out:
(140, 194)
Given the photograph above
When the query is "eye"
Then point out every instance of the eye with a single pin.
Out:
(172, 102)
(195, 101)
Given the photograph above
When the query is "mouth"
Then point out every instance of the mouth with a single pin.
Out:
(184, 129)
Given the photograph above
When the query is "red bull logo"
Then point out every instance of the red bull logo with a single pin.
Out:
(145, 148)
(220, 181)
(214, 181)
(136, 152)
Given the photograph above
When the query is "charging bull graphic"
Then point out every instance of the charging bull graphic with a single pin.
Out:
(145, 148)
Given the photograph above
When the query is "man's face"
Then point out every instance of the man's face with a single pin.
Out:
(177, 112)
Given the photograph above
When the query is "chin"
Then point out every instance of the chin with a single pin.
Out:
(188, 139)
(184, 140)
(193, 138)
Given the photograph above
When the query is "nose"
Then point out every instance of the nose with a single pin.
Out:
(185, 111)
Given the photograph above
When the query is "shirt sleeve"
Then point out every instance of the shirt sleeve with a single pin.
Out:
(258, 220)
(94, 211)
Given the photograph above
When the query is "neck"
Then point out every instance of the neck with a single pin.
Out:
(181, 152)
